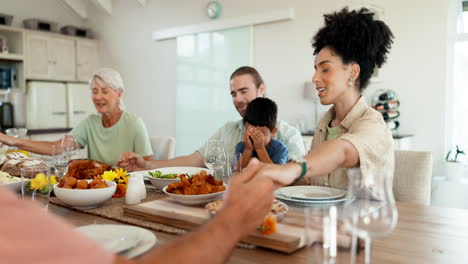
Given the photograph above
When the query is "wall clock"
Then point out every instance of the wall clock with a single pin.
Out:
(213, 9)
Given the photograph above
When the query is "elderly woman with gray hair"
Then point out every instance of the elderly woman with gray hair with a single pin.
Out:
(107, 134)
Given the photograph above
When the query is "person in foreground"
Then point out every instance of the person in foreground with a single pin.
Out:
(106, 134)
(246, 85)
(260, 128)
(49, 240)
(351, 134)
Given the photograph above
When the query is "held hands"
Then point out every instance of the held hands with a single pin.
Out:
(244, 188)
(131, 161)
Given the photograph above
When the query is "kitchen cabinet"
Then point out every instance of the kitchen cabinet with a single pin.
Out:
(49, 57)
(86, 59)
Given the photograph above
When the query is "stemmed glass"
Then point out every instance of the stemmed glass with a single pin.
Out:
(69, 146)
(215, 156)
(369, 209)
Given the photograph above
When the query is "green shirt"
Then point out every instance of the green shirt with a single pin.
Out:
(107, 143)
(332, 132)
(231, 134)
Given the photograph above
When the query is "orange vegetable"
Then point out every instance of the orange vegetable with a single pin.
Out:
(121, 190)
(269, 225)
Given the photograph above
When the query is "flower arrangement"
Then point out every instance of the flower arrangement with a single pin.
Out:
(42, 183)
(120, 177)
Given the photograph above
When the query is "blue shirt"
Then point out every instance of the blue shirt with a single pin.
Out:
(277, 151)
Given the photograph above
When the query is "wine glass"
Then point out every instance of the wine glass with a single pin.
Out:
(215, 156)
(69, 146)
(369, 209)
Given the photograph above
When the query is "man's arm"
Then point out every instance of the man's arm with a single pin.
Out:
(132, 161)
(214, 242)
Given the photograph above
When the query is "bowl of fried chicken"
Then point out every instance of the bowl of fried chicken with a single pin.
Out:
(199, 189)
(84, 194)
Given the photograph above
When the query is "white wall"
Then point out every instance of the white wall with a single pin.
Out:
(52, 10)
(282, 54)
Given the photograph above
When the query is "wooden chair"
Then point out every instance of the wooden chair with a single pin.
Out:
(413, 175)
(163, 147)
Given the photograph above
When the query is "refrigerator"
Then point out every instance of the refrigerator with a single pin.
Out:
(57, 104)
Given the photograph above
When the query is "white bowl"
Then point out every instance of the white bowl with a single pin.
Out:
(161, 183)
(85, 198)
(14, 186)
(194, 199)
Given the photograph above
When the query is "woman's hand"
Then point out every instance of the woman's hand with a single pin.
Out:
(131, 161)
(7, 140)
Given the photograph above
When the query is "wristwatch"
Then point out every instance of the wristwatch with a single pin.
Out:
(303, 162)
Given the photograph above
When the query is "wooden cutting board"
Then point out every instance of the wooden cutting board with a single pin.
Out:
(290, 234)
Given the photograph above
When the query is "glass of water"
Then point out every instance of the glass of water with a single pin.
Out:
(215, 156)
(60, 161)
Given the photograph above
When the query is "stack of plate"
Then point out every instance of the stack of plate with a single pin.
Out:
(311, 195)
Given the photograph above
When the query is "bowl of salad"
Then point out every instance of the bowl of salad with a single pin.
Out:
(162, 177)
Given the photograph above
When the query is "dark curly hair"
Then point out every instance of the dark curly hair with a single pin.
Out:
(356, 37)
(261, 112)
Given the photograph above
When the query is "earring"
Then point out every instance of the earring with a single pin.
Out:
(351, 82)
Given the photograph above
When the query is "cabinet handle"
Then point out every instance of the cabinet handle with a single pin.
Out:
(58, 113)
(79, 112)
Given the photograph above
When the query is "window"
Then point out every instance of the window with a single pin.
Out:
(458, 107)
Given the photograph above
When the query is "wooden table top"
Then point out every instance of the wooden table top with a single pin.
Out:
(423, 235)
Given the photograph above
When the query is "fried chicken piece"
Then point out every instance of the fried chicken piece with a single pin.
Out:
(86, 169)
(173, 186)
(70, 182)
(205, 188)
(219, 188)
(213, 181)
(82, 184)
(100, 185)
(96, 181)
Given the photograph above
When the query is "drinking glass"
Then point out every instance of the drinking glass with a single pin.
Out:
(59, 160)
(369, 209)
(69, 146)
(36, 185)
(321, 226)
(234, 165)
(215, 156)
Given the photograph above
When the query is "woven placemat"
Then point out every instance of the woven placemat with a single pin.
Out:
(114, 210)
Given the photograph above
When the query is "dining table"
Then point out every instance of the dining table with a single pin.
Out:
(423, 234)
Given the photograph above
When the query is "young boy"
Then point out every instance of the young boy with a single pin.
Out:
(259, 130)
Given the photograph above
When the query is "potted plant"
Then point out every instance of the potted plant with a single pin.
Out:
(453, 166)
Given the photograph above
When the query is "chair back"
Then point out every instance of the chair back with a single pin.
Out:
(163, 147)
(413, 175)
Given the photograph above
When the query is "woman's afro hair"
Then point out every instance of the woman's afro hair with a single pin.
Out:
(356, 37)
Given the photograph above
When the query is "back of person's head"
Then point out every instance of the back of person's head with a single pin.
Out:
(356, 37)
(250, 71)
(261, 112)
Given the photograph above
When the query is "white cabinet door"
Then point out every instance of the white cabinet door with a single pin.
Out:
(63, 59)
(50, 58)
(87, 59)
(80, 104)
(46, 105)
(37, 57)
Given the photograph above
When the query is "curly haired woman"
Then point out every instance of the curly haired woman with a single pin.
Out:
(351, 134)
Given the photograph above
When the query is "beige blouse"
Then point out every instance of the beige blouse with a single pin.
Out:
(366, 130)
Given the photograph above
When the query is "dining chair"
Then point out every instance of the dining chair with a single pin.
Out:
(163, 147)
(413, 175)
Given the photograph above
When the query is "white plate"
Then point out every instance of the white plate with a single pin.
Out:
(307, 192)
(195, 199)
(131, 240)
(309, 202)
